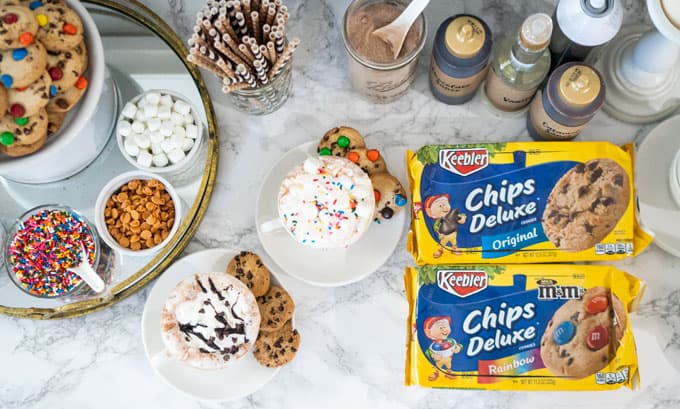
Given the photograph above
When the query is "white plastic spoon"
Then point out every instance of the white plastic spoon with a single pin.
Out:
(85, 271)
(394, 33)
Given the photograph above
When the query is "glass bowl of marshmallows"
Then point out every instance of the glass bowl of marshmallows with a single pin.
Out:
(159, 131)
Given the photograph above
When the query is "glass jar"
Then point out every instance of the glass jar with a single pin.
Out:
(102, 261)
(265, 99)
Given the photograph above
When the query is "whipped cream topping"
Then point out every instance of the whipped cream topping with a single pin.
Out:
(326, 202)
(214, 321)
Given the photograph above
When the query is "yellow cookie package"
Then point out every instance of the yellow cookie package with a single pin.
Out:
(523, 202)
(521, 327)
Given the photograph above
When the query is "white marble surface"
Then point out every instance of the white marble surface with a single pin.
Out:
(352, 352)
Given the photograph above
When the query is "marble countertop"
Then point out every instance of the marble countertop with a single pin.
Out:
(352, 352)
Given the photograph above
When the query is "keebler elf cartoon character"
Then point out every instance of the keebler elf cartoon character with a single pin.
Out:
(446, 221)
(442, 348)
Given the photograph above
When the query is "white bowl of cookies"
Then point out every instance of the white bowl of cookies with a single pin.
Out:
(52, 102)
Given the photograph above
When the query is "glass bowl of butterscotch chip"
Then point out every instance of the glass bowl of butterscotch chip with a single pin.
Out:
(138, 213)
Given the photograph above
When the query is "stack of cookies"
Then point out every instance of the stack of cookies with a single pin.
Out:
(42, 61)
(277, 342)
(346, 142)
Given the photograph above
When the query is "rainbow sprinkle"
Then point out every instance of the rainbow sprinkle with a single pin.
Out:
(46, 244)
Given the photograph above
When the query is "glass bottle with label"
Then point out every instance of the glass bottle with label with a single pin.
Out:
(519, 65)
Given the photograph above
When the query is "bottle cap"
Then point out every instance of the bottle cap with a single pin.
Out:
(535, 32)
(579, 85)
(465, 36)
(672, 10)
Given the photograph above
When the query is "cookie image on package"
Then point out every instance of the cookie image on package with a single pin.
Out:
(249, 269)
(583, 335)
(340, 140)
(586, 204)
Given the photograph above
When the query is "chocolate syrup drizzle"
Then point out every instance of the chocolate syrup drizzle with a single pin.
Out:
(189, 330)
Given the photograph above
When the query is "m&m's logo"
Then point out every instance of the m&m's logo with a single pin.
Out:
(462, 283)
(464, 162)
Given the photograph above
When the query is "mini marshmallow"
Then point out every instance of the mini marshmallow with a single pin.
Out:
(140, 115)
(150, 111)
(176, 155)
(192, 131)
(179, 130)
(160, 160)
(181, 107)
(144, 159)
(166, 146)
(129, 110)
(187, 144)
(176, 141)
(142, 140)
(166, 100)
(156, 148)
(131, 148)
(156, 137)
(152, 98)
(188, 119)
(177, 118)
(164, 112)
(154, 124)
(124, 128)
(138, 126)
(166, 128)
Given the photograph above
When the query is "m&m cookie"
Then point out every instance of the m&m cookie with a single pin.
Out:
(583, 335)
(18, 27)
(390, 195)
(339, 141)
(60, 28)
(21, 67)
(369, 160)
(25, 102)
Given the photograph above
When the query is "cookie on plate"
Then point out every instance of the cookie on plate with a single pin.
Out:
(340, 140)
(248, 268)
(586, 204)
(583, 335)
(64, 67)
(390, 196)
(62, 29)
(18, 26)
(17, 150)
(66, 100)
(274, 349)
(21, 67)
(28, 101)
(276, 307)
(369, 160)
(23, 131)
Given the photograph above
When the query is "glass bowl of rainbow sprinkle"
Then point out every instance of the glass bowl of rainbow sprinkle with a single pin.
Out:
(43, 244)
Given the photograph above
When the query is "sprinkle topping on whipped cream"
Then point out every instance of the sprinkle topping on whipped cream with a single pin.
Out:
(326, 202)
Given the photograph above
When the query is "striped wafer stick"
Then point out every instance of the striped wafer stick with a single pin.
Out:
(272, 52)
(261, 73)
(230, 54)
(233, 45)
(235, 87)
(258, 56)
(241, 23)
(279, 43)
(271, 13)
(206, 65)
(266, 29)
(257, 28)
(245, 50)
(265, 53)
(226, 68)
(284, 58)
(247, 77)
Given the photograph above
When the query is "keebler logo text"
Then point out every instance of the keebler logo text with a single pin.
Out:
(464, 162)
(462, 283)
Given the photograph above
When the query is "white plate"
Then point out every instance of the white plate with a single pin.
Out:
(653, 160)
(237, 381)
(326, 268)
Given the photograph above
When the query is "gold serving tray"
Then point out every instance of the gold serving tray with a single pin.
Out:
(151, 25)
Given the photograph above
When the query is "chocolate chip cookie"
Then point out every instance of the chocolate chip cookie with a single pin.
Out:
(64, 67)
(277, 348)
(276, 307)
(340, 140)
(23, 131)
(586, 204)
(390, 196)
(583, 335)
(369, 160)
(21, 67)
(28, 101)
(64, 101)
(18, 26)
(62, 29)
(249, 269)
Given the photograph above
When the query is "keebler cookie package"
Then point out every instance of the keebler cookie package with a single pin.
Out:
(523, 202)
(521, 327)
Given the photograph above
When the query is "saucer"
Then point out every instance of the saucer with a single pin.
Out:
(327, 267)
(653, 160)
(239, 380)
